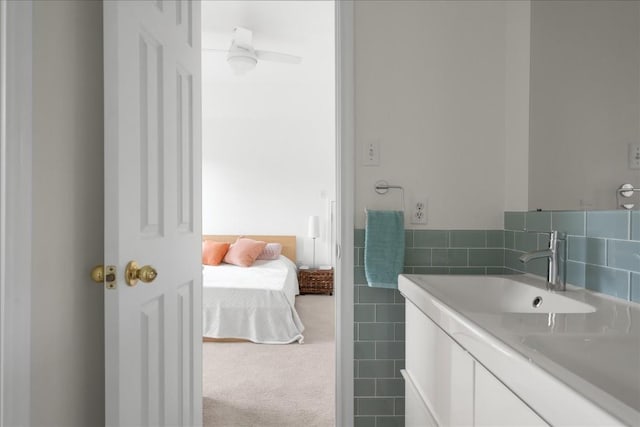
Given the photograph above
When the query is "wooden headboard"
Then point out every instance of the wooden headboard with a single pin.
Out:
(288, 242)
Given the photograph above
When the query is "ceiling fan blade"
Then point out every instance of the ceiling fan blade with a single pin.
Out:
(242, 37)
(265, 55)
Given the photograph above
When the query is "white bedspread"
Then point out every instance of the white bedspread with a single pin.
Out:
(254, 303)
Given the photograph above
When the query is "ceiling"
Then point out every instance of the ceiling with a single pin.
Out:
(289, 26)
(303, 28)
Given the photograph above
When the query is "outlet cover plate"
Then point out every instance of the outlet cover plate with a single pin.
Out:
(419, 211)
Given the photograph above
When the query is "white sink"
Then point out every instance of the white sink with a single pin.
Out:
(500, 294)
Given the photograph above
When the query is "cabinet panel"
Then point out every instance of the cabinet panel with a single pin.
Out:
(496, 405)
(441, 369)
(416, 413)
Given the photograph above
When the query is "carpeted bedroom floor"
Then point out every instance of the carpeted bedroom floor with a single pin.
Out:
(248, 384)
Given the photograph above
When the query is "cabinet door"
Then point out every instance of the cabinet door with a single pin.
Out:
(496, 405)
(441, 370)
(416, 412)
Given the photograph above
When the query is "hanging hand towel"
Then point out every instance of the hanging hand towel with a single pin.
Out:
(384, 248)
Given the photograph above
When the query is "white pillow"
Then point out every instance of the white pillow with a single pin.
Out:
(271, 251)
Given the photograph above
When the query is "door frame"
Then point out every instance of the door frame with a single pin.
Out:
(16, 53)
(345, 191)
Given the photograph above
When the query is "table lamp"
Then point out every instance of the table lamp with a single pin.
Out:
(314, 233)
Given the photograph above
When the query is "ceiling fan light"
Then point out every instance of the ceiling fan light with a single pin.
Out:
(240, 64)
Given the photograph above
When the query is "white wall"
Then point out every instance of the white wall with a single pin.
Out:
(431, 87)
(269, 136)
(67, 363)
(585, 105)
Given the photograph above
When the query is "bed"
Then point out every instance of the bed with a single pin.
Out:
(254, 303)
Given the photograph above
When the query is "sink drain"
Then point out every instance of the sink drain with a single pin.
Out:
(537, 302)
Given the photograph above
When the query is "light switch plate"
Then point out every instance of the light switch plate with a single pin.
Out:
(634, 156)
(371, 153)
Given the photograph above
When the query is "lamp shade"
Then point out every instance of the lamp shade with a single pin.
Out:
(314, 227)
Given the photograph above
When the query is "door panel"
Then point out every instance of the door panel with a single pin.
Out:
(185, 151)
(152, 212)
(151, 167)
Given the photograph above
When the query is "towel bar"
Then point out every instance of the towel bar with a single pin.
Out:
(626, 191)
(382, 187)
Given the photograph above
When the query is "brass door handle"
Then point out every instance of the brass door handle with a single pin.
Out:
(97, 274)
(102, 275)
(133, 273)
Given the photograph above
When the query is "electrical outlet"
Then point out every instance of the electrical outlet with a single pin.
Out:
(419, 212)
(634, 156)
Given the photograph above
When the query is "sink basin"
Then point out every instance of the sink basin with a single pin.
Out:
(498, 294)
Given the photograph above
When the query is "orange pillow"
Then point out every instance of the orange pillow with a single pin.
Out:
(244, 252)
(213, 252)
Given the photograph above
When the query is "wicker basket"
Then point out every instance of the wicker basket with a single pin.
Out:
(316, 281)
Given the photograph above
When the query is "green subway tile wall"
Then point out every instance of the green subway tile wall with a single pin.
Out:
(379, 313)
(635, 225)
(635, 287)
(603, 256)
(603, 247)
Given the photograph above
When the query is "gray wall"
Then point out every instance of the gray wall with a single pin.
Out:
(585, 102)
(67, 307)
(431, 89)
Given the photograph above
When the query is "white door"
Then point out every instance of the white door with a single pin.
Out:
(153, 212)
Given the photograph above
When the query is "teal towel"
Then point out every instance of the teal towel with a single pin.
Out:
(384, 248)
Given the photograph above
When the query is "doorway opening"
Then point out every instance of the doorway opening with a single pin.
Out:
(269, 170)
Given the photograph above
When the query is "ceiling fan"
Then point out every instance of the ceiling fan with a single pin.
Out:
(242, 57)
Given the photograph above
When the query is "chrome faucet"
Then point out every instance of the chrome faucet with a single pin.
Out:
(557, 272)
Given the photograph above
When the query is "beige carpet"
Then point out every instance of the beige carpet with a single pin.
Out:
(248, 384)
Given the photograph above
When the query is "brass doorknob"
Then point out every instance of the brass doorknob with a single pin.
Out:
(97, 274)
(133, 273)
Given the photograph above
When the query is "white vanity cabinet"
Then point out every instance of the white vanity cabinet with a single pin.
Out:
(441, 371)
(445, 386)
(496, 406)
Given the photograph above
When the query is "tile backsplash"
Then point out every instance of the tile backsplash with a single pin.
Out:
(379, 313)
(603, 247)
(603, 256)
